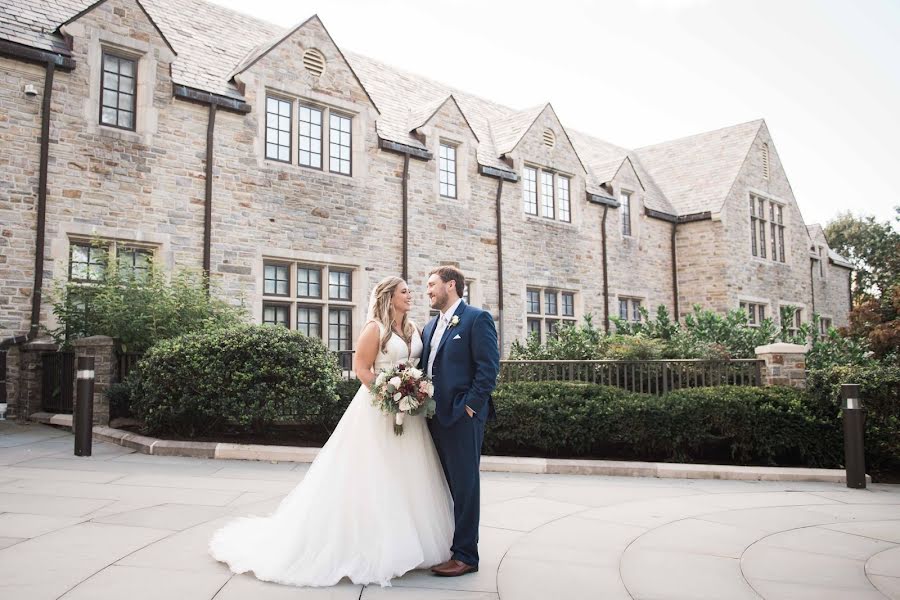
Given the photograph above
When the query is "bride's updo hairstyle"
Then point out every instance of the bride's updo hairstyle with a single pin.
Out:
(381, 309)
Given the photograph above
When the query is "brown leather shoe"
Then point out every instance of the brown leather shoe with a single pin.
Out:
(453, 568)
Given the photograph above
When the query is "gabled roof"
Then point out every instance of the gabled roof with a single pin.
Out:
(816, 233)
(420, 117)
(509, 130)
(97, 3)
(697, 172)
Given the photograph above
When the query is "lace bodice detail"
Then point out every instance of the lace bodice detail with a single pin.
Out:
(398, 352)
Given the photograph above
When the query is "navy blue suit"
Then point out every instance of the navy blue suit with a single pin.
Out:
(464, 374)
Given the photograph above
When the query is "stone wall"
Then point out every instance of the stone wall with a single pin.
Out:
(785, 364)
(103, 350)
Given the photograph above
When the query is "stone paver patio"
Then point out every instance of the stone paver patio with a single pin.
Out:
(126, 525)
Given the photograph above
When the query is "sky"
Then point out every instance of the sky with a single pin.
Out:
(824, 74)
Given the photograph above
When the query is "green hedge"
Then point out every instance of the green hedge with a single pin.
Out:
(880, 393)
(743, 425)
(243, 378)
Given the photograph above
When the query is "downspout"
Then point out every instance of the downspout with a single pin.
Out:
(40, 234)
(207, 203)
(405, 184)
(499, 266)
(675, 275)
(605, 272)
(812, 285)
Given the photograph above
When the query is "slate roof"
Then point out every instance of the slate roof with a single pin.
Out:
(818, 234)
(213, 43)
(696, 173)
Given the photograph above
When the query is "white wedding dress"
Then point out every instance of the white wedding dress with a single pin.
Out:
(372, 506)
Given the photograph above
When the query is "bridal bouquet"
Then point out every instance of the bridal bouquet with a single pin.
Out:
(404, 390)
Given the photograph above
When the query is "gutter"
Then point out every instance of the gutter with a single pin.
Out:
(33, 55)
(194, 95)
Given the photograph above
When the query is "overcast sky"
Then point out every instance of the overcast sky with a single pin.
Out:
(825, 74)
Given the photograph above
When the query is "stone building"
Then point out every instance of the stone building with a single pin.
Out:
(298, 175)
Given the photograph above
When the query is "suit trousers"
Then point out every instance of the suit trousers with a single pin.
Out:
(459, 448)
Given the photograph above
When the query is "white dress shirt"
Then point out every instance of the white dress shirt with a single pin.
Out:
(440, 328)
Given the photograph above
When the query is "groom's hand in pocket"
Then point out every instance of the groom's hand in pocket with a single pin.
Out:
(470, 412)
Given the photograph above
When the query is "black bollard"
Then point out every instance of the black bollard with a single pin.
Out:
(84, 406)
(854, 436)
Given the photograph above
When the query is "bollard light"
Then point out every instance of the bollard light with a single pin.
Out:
(854, 436)
(84, 405)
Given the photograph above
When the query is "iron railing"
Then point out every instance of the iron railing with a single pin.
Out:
(642, 376)
(126, 362)
(57, 382)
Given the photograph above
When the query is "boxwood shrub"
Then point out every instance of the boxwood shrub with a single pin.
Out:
(243, 378)
(741, 425)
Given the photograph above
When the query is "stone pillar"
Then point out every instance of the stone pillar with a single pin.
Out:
(30, 381)
(785, 364)
(103, 350)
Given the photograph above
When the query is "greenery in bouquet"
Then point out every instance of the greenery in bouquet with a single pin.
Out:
(404, 390)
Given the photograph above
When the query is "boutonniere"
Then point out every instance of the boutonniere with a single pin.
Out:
(453, 322)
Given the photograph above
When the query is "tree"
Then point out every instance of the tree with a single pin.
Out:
(872, 247)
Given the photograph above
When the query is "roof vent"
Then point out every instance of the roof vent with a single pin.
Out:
(314, 62)
(765, 160)
(549, 138)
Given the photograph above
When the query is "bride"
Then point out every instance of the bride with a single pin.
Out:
(373, 505)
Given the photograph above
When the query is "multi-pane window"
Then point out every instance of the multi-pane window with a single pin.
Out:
(554, 192)
(767, 229)
(548, 208)
(339, 144)
(562, 192)
(630, 309)
(625, 202)
(339, 285)
(543, 310)
(529, 191)
(309, 282)
(87, 262)
(117, 105)
(791, 319)
(568, 304)
(278, 129)
(294, 296)
(310, 137)
(756, 313)
(134, 263)
(447, 171)
(275, 280)
(824, 326)
(276, 314)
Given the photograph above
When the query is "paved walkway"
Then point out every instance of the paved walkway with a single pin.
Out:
(126, 525)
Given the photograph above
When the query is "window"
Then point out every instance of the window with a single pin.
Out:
(134, 263)
(339, 142)
(542, 307)
(275, 314)
(555, 194)
(447, 171)
(278, 129)
(117, 105)
(547, 207)
(562, 192)
(630, 309)
(766, 215)
(756, 313)
(529, 191)
(87, 262)
(310, 138)
(824, 326)
(791, 319)
(625, 201)
(568, 304)
(293, 296)
(821, 253)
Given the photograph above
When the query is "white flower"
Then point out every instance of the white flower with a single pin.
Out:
(430, 389)
(415, 373)
(454, 321)
(406, 404)
(395, 381)
(397, 396)
(380, 379)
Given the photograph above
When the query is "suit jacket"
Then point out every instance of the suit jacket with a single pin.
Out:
(466, 366)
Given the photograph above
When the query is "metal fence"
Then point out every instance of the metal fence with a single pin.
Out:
(642, 376)
(57, 382)
(126, 362)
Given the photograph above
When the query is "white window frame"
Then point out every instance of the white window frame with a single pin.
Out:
(633, 304)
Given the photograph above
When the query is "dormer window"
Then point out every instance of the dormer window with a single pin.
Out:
(118, 89)
(447, 171)
(555, 202)
(312, 135)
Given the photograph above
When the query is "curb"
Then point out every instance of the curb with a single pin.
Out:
(494, 464)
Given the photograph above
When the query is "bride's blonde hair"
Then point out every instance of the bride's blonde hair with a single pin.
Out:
(381, 310)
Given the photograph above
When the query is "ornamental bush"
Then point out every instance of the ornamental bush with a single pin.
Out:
(241, 378)
(739, 425)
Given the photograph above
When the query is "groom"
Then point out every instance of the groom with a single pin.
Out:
(463, 359)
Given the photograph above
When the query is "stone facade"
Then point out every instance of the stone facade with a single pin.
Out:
(146, 188)
(785, 364)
